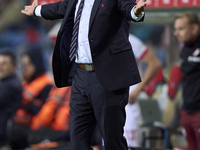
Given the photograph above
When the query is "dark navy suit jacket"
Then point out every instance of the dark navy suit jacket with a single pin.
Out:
(112, 54)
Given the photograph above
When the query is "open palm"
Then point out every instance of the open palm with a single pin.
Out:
(28, 10)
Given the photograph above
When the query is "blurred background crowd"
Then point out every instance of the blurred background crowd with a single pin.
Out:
(34, 114)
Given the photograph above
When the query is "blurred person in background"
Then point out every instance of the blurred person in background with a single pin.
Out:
(187, 32)
(53, 118)
(36, 86)
(54, 114)
(10, 92)
(133, 114)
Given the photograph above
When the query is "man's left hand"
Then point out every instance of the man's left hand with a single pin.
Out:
(140, 7)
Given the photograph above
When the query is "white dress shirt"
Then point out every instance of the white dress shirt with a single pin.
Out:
(83, 50)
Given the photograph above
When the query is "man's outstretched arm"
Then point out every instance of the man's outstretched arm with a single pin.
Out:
(49, 11)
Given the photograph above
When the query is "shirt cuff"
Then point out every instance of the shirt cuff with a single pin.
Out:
(37, 11)
(136, 18)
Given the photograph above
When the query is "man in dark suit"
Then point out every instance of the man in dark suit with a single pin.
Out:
(93, 54)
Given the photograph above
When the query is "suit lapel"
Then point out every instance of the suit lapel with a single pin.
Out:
(71, 6)
(94, 11)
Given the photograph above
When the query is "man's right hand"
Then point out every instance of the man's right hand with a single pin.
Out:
(28, 10)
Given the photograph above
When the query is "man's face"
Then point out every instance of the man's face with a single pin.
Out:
(183, 30)
(28, 67)
(6, 66)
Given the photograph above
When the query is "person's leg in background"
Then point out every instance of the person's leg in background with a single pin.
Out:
(196, 128)
(188, 131)
(133, 121)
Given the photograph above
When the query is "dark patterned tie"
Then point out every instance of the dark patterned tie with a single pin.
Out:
(74, 41)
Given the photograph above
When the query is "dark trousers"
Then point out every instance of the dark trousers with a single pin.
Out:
(92, 104)
(191, 124)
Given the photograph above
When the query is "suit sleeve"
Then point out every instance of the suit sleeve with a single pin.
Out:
(55, 10)
(126, 6)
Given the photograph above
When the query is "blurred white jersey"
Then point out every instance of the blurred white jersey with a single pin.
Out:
(133, 114)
